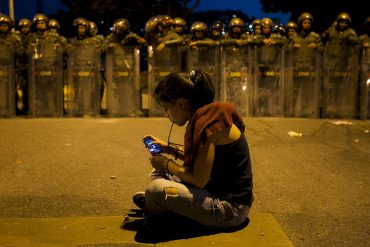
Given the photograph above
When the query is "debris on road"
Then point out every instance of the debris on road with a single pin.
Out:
(294, 134)
(341, 122)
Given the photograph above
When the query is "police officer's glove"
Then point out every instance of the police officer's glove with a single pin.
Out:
(159, 162)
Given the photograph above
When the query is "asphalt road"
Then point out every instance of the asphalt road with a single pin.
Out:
(315, 185)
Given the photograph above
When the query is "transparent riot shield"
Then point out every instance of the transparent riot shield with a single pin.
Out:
(365, 84)
(83, 84)
(207, 59)
(268, 81)
(340, 83)
(123, 81)
(7, 81)
(236, 77)
(303, 82)
(161, 64)
(45, 75)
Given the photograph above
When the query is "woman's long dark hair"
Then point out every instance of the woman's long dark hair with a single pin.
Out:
(197, 87)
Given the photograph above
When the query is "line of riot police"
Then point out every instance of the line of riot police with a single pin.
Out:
(268, 70)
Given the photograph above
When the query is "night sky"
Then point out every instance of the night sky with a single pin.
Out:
(27, 8)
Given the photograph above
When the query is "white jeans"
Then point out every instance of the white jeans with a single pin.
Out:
(164, 194)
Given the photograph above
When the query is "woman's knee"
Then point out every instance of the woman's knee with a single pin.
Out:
(154, 193)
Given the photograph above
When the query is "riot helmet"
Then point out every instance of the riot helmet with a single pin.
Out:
(343, 21)
(54, 24)
(166, 21)
(6, 24)
(236, 22)
(40, 22)
(279, 29)
(217, 29)
(7, 20)
(93, 28)
(178, 21)
(305, 16)
(24, 26)
(266, 24)
(257, 26)
(179, 25)
(291, 28)
(82, 25)
(40, 17)
(291, 25)
(344, 17)
(199, 29)
(24, 22)
(152, 24)
(121, 26)
(217, 25)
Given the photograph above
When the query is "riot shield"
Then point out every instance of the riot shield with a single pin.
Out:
(340, 83)
(122, 73)
(7, 81)
(83, 86)
(207, 59)
(268, 81)
(161, 64)
(236, 77)
(45, 76)
(365, 84)
(303, 82)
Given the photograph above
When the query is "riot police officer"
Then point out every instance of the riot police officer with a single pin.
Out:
(24, 28)
(83, 36)
(122, 35)
(180, 27)
(279, 30)
(151, 30)
(291, 29)
(167, 37)
(236, 26)
(122, 56)
(41, 31)
(267, 37)
(305, 34)
(341, 65)
(84, 72)
(216, 31)
(341, 30)
(54, 27)
(93, 30)
(257, 27)
(7, 36)
(199, 31)
(11, 47)
(304, 56)
(235, 36)
(45, 67)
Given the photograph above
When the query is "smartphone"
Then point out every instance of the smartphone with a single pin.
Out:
(154, 149)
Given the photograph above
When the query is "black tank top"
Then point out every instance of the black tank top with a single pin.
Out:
(231, 175)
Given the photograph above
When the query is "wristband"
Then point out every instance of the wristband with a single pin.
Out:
(167, 164)
(176, 152)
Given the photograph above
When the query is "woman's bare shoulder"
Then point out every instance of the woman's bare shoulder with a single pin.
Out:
(227, 136)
